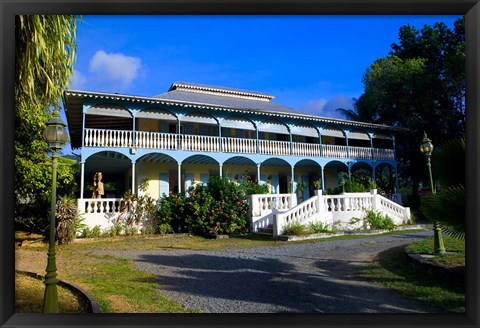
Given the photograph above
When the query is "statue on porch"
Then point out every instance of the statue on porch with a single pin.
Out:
(97, 185)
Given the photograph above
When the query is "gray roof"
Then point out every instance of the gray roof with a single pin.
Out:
(200, 96)
(224, 97)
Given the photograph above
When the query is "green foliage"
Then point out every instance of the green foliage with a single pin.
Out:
(68, 220)
(359, 182)
(115, 230)
(135, 209)
(171, 211)
(295, 228)
(377, 220)
(447, 206)
(165, 228)
(219, 207)
(419, 85)
(44, 58)
(318, 227)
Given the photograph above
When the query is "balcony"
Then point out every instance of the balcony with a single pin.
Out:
(169, 141)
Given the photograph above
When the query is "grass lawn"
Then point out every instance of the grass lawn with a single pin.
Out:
(394, 271)
(115, 284)
(29, 297)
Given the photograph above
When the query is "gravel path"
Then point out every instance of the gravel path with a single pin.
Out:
(307, 278)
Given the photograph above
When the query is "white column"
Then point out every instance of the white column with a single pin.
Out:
(179, 177)
(134, 137)
(371, 146)
(220, 166)
(346, 143)
(83, 127)
(293, 180)
(133, 178)
(220, 146)
(82, 179)
(323, 180)
(258, 173)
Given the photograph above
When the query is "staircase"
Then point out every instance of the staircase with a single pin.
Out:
(332, 210)
(267, 231)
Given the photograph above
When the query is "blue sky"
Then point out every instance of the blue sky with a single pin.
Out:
(311, 63)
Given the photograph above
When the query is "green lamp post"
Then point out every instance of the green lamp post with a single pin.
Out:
(426, 148)
(56, 136)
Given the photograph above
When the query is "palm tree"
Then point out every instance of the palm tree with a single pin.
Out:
(44, 58)
(448, 205)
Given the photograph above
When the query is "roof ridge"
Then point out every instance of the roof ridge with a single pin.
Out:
(221, 91)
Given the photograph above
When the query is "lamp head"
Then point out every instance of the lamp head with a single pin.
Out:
(426, 147)
(55, 133)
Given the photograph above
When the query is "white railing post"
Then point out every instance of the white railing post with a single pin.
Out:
(374, 196)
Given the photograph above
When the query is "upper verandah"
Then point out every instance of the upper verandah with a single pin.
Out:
(204, 97)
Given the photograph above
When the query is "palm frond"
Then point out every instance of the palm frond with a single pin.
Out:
(447, 208)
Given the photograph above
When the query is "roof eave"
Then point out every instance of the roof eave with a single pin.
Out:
(167, 102)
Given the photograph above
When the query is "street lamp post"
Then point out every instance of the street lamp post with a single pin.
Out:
(426, 148)
(55, 135)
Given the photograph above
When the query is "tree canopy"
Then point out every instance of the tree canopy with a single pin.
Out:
(44, 59)
(419, 85)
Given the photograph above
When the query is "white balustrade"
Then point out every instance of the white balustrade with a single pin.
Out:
(398, 213)
(200, 143)
(274, 147)
(336, 151)
(306, 149)
(383, 154)
(239, 145)
(108, 138)
(300, 213)
(156, 140)
(99, 205)
(360, 152)
(328, 209)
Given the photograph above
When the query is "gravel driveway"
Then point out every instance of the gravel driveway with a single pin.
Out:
(306, 278)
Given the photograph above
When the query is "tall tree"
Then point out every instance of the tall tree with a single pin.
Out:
(419, 85)
(44, 59)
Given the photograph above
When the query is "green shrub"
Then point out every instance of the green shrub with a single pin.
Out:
(318, 227)
(115, 230)
(295, 228)
(68, 220)
(87, 232)
(220, 207)
(147, 230)
(377, 220)
(165, 228)
(171, 211)
(96, 231)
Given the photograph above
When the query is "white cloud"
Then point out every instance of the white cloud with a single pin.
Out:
(315, 106)
(78, 80)
(115, 68)
(327, 107)
(339, 101)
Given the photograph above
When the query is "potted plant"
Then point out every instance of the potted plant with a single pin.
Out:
(317, 185)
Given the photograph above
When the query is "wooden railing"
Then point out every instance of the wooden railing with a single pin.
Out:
(306, 149)
(334, 151)
(239, 145)
(170, 141)
(272, 147)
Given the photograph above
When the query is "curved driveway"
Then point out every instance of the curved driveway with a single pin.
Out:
(307, 278)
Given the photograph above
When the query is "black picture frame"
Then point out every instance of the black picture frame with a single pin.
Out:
(10, 8)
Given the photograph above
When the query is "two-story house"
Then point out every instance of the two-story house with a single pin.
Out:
(195, 131)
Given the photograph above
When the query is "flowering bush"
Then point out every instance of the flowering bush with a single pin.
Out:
(220, 207)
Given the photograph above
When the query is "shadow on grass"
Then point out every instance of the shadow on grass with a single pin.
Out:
(392, 269)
